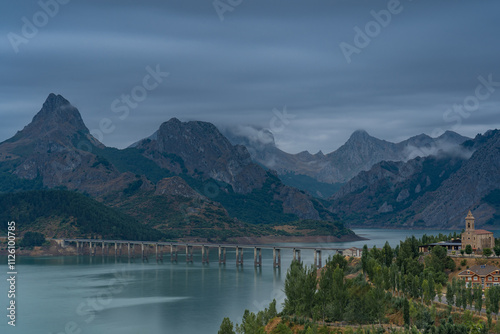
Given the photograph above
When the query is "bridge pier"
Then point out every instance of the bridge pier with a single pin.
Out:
(296, 254)
(144, 252)
(159, 258)
(276, 264)
(239, 258)
(205, 254)
(222, 255)
(317, 253)
(132, 246)
(173, 254)
(189, 253)
(257, 262)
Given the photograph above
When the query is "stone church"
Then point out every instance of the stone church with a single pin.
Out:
(478, 239)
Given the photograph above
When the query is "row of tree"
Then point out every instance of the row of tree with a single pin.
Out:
(392, 280)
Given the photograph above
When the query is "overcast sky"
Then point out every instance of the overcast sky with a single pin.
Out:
(235, 64)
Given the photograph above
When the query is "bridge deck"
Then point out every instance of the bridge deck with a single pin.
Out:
(210, 245)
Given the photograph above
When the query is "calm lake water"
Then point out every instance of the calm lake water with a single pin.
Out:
(100, 295)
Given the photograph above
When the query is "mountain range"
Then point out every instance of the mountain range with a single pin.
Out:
(323, 174)
(192, 180)
(428, 192)
(187, 179)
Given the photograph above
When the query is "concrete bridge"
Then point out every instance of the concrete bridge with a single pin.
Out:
(159, 249)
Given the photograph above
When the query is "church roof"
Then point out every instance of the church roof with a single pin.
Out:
(482, 232)
(469, 215)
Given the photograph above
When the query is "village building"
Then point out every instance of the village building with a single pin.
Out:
(450, 245)
(353, 252)
(484, 275)
(478, 239)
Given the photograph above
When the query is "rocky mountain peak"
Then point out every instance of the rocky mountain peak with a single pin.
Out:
(452, 137)
(203, 150)
(359, 135)
(57, 126)
(56, 112)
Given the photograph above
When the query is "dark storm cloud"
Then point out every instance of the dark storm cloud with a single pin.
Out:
(263, 55)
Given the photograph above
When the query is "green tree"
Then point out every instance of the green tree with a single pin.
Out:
(282, 329)
(468, 249)
(364, 259)
(450, 295)
(494, 299)
(439, 291)
(406, 312)
(426, 293)
(32, 239)
(388, 254)
(300, 289)
(339, 295)
(470, 297)
(337, 260)
(250, 324)
(324, 293)
(487, 252)
(478, 298)
(497, 250)
(226, 327)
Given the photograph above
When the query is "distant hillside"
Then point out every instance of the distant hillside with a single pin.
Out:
(435, 191)
(59, 213)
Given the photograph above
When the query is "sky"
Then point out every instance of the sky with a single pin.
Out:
(311, 72)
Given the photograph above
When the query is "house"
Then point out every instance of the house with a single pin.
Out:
(450, 245)
(483, 275)
(353, 251)
(478, 239)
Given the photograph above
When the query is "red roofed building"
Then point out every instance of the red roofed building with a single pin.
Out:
(485, 276)
(478, 239)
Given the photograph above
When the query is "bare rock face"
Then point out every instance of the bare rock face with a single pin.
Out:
(176, 186)
(385, 208)
(57, 146)
(204, 150)
(404, 194)
(297, 203)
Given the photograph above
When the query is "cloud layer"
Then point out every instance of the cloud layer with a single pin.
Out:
(262, 56)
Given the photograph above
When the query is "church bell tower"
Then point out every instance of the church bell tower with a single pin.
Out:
(469, 222)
